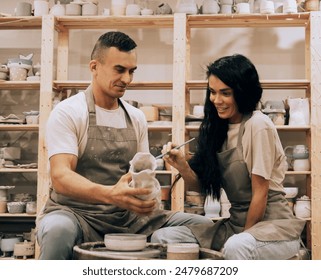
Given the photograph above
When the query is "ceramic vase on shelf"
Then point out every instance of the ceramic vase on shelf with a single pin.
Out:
(212, 207)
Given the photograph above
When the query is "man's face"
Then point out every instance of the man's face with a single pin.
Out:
(115, 72)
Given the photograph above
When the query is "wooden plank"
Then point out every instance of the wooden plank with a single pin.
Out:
(178, 101)
(19, 127)
(19, 85)
(18, 170)
(15, 23)
(288, 128)
(112, 22)
(313, 54)
(266, 84)
(47, 58)
(250, 20)
(62, 55)
(141, 85)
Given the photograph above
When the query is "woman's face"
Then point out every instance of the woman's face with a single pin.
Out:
(222, 97)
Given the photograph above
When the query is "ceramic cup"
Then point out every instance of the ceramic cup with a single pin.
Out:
(89, 9)
(18, 74)
(41, 8)
(147, 12)
(58, 10)
(132, 10)
(302, 208)
(23, 9)
(243, 8)
(73, 9)
(290, 6)
(226, 9)
(301, 165)
(198, 110)
(210, 7)
(267, 7)
(118, 10)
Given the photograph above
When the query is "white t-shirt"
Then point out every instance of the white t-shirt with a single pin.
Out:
(262, 149)
(67, 126)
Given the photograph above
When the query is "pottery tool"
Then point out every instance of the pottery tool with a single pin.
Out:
(176, 148)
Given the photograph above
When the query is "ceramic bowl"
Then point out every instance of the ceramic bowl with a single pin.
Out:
(125, 241)
(15, 207)
(291, 192)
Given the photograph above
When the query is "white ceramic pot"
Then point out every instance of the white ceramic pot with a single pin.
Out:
(210, 7)
(23, 9)
(18, 74)
(212, 207)
(243, 8)
(302, 208)
(267, 7)
(7, 243)
(89, 9)
(41, 8)
(58, 10)
(132, 10)
(301, 164)
(73, 9)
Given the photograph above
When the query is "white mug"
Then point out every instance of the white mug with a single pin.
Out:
(243, 8)
(41, 8)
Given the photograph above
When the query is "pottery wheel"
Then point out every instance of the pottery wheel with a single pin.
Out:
(97, 250)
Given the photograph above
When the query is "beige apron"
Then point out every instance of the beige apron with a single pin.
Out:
(278, 223)
(105, 160)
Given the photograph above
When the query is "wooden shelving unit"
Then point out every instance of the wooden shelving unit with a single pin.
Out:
(181, 84)
(310, 84)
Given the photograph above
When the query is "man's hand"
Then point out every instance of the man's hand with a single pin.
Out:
(123, 196)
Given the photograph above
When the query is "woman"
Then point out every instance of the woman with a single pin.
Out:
(239, 150)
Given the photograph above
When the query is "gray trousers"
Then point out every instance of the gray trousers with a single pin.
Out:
(59, 231)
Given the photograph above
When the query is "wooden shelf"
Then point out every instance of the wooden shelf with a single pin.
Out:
(60, 85)
(19, 127)
(18, 170)
(110, 22)
(251, 20)
(18, 215)
(15, 23)
(298, 172)
(278, 127)
(19, 85)
(266, 84)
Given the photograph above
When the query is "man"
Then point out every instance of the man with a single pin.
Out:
(91, 137)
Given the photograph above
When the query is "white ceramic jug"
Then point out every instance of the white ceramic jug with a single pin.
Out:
(302, 208)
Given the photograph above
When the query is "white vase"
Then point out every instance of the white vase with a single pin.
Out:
(212, 207)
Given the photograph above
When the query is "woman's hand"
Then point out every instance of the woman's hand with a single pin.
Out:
(175, 158)
(124, 196)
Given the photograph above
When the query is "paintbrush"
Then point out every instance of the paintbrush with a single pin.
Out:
(176, 148)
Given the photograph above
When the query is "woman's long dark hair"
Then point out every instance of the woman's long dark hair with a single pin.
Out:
(241, 76)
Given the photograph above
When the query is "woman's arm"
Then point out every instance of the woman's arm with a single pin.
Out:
(260, 188)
